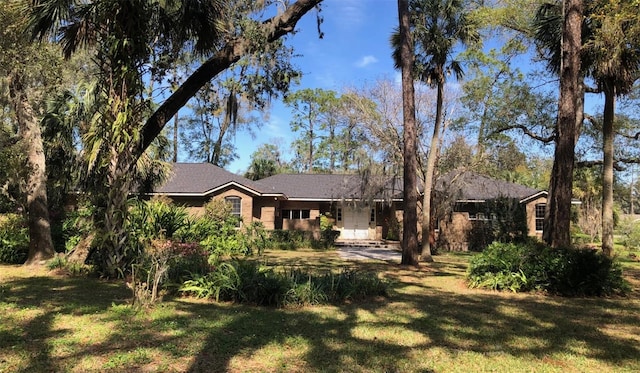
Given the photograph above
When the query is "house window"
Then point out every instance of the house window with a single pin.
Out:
(540, 210)
(473, 216)
(236, 207)
(296, 214)
(372, 218)
(339, 214)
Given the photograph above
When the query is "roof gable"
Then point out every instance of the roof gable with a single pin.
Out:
(201, 179)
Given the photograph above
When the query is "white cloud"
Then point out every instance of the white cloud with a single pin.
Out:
(350, 14)
(366, 61)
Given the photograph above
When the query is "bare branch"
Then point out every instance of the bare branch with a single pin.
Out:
(631, 137)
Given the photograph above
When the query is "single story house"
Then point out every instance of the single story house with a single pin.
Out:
(470, 205)
(362, 207)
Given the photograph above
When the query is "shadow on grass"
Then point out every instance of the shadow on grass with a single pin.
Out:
(381, 336)
(36, 302)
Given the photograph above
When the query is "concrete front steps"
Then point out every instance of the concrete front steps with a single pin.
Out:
(393, 245)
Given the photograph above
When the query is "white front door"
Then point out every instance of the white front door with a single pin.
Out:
(356, 223)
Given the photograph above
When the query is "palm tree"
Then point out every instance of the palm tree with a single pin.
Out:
(611, 56)
(261, 168)
(438, 26)
(614, 49)
(122, 33)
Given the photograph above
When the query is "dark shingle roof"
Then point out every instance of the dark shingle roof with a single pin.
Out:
(472, 186)
(202, 178)
(328, 186)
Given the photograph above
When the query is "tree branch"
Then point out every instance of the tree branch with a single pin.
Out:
(617, 165)
(636, 136)
(275, 28)
(589, 89)
(527, 132)
(591, 118)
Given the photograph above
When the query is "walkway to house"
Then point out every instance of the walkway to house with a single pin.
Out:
(368, 251)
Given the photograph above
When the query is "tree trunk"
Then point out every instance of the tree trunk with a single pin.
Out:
(607, 170)
(40, 243)
(558, 220)
(175, 138)
(410, 193)
(217, 147)
(428, 177)
(113, 239)
(311, 137)
(332, 148)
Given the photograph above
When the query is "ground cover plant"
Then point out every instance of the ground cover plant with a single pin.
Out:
(430, 322)
(247, 281)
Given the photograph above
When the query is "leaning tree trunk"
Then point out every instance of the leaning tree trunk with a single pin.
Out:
(428, 177)
(410, 217)
(40, 242)
(607, 170)
(558, 220)
(275, 28)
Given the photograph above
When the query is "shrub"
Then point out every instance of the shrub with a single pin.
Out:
(14, 239)
(255, 237)
(630, 232)
(156, 218)
(244, 281)
(328, 236)
(190, 259)
(77, 224)
(289, 239)
(217, 232)
(72, 269)
(165, 264)
(229, 281)
(534, 266)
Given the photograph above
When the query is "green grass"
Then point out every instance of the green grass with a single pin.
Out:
(431, 322)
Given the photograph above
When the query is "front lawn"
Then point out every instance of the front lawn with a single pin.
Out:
(431, 322)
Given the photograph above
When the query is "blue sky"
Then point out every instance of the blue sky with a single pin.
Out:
(355, 50)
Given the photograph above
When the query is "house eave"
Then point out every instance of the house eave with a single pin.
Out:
(540, 194)
(217, 189)
(233, 184)
(307, 199)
